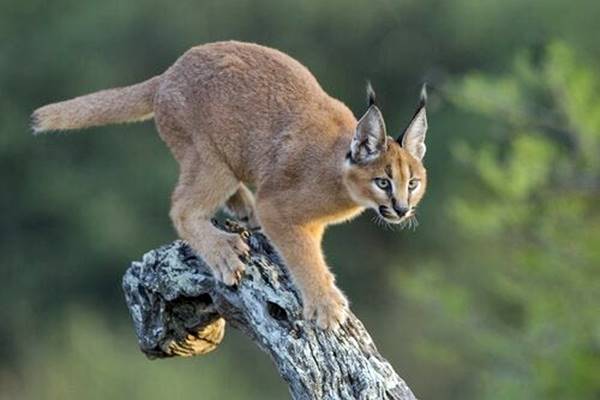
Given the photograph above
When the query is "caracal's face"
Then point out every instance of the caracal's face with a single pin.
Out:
(387, 174)
(392, 185)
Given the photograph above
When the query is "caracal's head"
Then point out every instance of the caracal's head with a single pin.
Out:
(386, 174)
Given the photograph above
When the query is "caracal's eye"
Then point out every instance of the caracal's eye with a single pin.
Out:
(382, 183)
(413, 184)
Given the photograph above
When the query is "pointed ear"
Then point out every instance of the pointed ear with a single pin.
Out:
(413, 138)
(370, 137)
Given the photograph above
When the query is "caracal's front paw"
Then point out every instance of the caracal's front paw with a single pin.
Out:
(329, 308)
(223, 257)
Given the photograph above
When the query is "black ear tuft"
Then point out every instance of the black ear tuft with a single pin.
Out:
(420, 106)
(371, 98)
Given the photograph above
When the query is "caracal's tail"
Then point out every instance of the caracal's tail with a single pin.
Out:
(126, 104)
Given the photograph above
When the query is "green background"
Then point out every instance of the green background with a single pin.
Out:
(494, 296)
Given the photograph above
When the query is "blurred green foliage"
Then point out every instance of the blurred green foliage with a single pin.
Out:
(523, 296)
(495, 296)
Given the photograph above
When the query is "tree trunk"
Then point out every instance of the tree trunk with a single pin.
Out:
(178, 309)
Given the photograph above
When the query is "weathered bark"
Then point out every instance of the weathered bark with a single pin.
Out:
(178, 309)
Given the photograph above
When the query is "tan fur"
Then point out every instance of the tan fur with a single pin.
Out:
(127, 104)
(236, 113)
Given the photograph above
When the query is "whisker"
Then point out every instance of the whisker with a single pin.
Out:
(403, 224)
(414, 222)
(381, 222)
(377, 219)
(409, 222)
(391, 227)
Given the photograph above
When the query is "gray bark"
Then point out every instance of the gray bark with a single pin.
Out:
(178, 309)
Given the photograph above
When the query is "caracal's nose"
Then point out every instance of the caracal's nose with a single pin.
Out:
(401, 211)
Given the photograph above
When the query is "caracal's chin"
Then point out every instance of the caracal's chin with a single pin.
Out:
(396, 220)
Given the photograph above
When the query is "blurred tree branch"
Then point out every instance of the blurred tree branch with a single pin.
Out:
(179, 309)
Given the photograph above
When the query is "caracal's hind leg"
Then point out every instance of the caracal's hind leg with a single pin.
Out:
(205, 183)
(241, 206)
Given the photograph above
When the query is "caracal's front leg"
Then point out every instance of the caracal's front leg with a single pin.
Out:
(300, 247)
